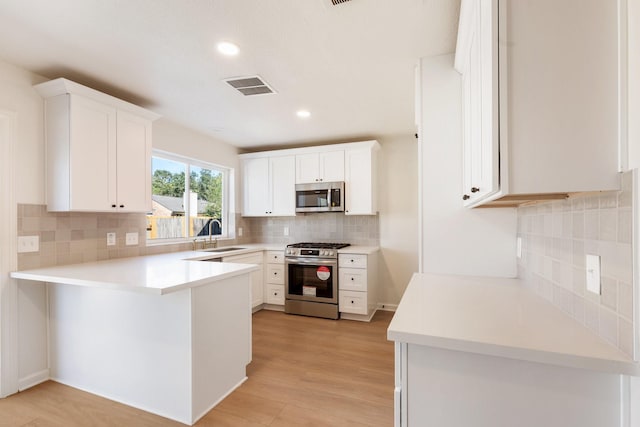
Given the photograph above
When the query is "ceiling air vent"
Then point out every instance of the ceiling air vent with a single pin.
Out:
(252, 85)
(337, 2)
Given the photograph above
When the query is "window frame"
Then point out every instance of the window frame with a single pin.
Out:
(226, 184)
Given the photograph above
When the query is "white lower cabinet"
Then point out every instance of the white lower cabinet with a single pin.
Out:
(274, 280)
(357, 282)
(257, 277)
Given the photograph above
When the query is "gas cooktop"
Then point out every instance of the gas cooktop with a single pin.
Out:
(311, 245)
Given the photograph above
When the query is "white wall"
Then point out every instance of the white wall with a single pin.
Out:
(17, 94)
(398, 207)
(455, 240)
(634, 82)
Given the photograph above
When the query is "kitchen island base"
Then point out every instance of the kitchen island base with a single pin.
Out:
(176, 355)
(460, 389)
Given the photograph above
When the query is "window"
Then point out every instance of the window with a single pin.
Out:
(179, 214)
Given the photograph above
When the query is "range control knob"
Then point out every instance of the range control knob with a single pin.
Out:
(330, 253)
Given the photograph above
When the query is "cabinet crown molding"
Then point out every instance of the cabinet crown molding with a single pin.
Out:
(63, 86)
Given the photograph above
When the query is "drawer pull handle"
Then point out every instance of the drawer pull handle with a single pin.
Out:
(352, 302)
(352, 279)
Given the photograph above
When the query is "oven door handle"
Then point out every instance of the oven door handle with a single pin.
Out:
(311, 261)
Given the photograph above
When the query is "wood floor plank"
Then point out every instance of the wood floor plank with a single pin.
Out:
(305, 372)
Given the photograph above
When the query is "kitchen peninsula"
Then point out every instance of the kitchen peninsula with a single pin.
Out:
(164, 333)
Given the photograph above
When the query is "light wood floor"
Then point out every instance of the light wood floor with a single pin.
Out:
(305, 372)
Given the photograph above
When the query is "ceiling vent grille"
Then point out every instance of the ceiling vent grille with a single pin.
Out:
(250, 86)
(337, 2)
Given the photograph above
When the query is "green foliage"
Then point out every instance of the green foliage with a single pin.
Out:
(206, 183)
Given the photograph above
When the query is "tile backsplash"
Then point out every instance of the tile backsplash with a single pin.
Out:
(316, 227)
(557, 236)
(72, 237)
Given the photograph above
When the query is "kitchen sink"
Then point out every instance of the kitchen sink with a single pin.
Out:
(230, 248)
(218, 259)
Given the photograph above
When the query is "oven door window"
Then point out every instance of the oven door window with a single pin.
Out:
(312, 199)
(312, 281)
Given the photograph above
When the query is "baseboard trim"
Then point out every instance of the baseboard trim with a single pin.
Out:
(387, 307)
(33, 380)
(273, 307)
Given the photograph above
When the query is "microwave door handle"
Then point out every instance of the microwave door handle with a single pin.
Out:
(329, 197)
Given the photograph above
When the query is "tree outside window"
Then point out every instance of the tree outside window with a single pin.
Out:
(178, 214)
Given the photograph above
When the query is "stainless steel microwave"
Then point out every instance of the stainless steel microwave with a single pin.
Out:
(320, 197)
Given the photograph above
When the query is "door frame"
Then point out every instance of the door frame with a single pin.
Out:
(8, 256)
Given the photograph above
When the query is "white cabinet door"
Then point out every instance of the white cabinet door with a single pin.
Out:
(133, 174)
(256, 187)
(480, 100)
(282, 178)
(320, 167)
(257, 277)
(307, 168)
(360, 197)
(92, 154)
(332, 166)
(269, 186)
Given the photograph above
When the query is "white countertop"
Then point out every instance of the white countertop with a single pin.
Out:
(498, 317)
(154, 274)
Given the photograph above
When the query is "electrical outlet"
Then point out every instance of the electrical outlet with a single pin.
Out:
(131, 239)
(519, 247)
(593, 273)
(111, 239)
(286, 231)
(28, 244)
(239, 231)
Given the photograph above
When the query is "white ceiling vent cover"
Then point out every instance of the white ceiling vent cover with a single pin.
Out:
(251, 85)
(337, 2)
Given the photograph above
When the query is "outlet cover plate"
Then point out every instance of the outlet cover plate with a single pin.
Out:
(131, 239)
(111, 239)
(28, 244)
(519, 247)
(593, 273)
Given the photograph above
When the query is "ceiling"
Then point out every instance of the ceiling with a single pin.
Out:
(351, 65)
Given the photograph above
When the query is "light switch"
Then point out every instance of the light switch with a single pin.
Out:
(286, 231)
(593, 273)
(519, 247)
(111, 239)
(131, 239)
(28, 244)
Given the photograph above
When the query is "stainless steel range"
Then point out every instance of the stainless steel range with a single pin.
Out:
(311, 279)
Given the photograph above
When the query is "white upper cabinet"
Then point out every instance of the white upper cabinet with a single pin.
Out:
(327, 166)
(361, 180)
(543, 98)
(270, 177)
(98, 150)
(477, 59)
(269, 186)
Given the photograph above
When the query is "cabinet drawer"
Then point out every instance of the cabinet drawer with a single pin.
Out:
(353, 302)
(353, 279)
(352, 260)
(275, 274)
(275, 257)
(275, 294)
(255, 258)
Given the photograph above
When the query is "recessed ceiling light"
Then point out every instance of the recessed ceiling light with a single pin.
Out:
(227, 48)
(303, 114)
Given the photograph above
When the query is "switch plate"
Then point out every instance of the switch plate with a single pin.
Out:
(240, 232)
(593, 273)
(286, 231)
(111, 239)
(28, 244)
(519, 247)
(131, 239)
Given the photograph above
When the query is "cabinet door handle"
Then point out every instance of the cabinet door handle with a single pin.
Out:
(113, 206)
(122, 206)
(466, 197)
(352, 279)
(474, 189)
(352, 302)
